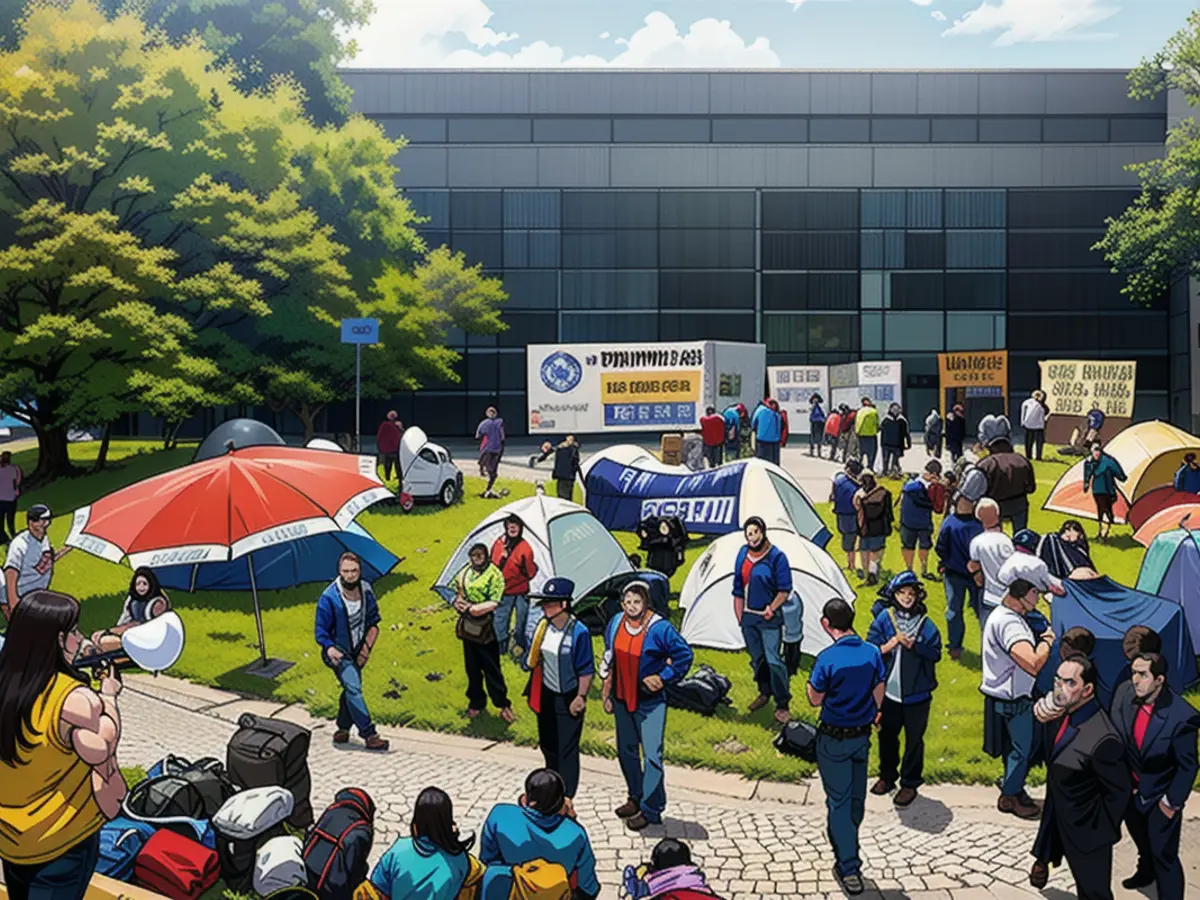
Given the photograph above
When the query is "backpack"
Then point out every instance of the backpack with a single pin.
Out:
(877, 514)
(121, 840)
(336, 851)
(540, 880)
(701, 692)
(246, 822)
(267, 751)
(176, 866)
(183, 799)
(798, 738)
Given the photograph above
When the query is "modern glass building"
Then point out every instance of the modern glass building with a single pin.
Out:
(834, 216)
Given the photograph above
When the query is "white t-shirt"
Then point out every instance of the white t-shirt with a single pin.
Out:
(1003, 679)
(551, 645)
(990, 550)
(1029, 567)
(1032, 414)
(354, 618)
(33, 561)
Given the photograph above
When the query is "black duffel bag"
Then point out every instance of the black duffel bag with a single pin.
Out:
(799, 739)
(702, 692)
(265, 751)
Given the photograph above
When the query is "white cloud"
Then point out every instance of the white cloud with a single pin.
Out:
(1026, 21)
(604, 35)
(923, 2)
(422, 33)
(939, 15)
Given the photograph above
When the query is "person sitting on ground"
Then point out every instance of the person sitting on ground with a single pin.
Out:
(1066, 551)
(146, 600)
(1187, 479)
(433, 862)
(1077, 641)
(670, 875)
(541, 827)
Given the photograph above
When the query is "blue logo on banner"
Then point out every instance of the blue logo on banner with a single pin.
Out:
(667, 414)
(561, 372)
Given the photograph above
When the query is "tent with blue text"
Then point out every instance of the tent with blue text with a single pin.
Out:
(626, 484)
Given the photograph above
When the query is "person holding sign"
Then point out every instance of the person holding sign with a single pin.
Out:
(1101, 473)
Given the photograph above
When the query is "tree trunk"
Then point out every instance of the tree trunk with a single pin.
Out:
(102, 458)
(171, 434)
(308, 417)
(54, 458)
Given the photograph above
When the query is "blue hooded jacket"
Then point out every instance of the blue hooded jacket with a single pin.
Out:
(1187, 479)
(333, 624)
(844, 489)
(664, 653)
(770, 575)
(916, 509)
(513, 835)
(767, 425)
(918, 677)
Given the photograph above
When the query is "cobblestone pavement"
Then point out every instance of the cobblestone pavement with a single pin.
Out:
(755, 840)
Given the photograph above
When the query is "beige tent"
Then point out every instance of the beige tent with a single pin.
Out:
(1149, 452)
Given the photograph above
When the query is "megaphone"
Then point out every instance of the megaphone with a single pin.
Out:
(153, 646)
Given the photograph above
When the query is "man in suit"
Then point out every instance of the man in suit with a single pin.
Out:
(1087, 786)
(1159, 729)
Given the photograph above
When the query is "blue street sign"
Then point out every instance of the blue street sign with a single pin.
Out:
(360, 331)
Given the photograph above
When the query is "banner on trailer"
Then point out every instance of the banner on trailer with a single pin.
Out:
(1074, 386)
(792, 386)
(980, 373)
(707, 502)
(627, 387)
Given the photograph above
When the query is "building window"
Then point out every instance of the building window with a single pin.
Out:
(884, 209)
(706, 209)
(839, 131)
(955, 131)
(973, 331)
(572, 131)
(695, 249)
(872, 290)
(975, 249)
(1066, 209)
(913, 331)
(799, 250)
(917, 290)
(532, 209)
(584, 328)
(1054, 250)
(624, 249)
(531, 290)
(475, 210)
(1010, 131)
(590, 210)
(707, 290)
(975, 209)
(485, 247)
(975, 290)
(899, 130)
(807, 333)
(809, 210)
(924, 209)
(925, 250)
(872, 250)
(1075, 131)
(609, 290)
(706, 326)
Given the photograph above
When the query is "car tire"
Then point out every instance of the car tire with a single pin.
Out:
(448, 494)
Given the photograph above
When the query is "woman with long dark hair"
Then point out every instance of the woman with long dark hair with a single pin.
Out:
(146, 600)
(432, 864)
(59, 779)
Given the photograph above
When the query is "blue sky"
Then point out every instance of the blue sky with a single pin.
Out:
(820, 34)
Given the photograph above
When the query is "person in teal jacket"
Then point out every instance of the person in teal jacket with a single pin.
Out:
(1101, 473)
(539, 827)
(431, 864)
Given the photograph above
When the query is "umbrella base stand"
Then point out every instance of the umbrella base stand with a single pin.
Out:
(269, 668)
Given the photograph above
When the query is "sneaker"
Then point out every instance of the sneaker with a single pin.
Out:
(341, 737)
(1021, 807)
(508, 715)
(1134, 882)
(859, 572)
(637, 823)
(758, 703)
(904, 797)
(473, 713)
(782, 716)
(851, 884)
(628, 809)
(872, 579)
(375, 742)
(956, 655)
(1039, 875)
(882, 787)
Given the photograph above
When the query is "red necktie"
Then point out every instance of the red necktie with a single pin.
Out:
(1062, 729)
(1140, 723)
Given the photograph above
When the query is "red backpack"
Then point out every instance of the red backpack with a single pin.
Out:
(336, 851)
(175, 866)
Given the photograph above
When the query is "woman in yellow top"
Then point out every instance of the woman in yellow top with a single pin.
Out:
(478, 589)
(59, 779)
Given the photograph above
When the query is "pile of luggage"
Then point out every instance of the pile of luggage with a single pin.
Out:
(247, 821)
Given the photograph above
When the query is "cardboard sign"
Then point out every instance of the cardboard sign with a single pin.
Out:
(1074, 387)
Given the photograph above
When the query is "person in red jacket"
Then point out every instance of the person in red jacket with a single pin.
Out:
(387, 442)
(513, 556)
(712, 431)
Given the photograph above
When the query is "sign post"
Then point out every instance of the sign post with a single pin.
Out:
(359, 332)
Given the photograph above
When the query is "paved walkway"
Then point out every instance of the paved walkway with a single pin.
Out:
(754, 839)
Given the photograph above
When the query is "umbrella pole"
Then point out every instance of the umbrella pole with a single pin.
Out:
(262, 642)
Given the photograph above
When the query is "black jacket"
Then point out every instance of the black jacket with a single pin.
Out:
(1166, 764)
(893, 432)
(956, 430)
(566, 461)
(1087, 786)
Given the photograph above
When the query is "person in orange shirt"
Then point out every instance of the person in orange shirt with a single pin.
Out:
(59, 779)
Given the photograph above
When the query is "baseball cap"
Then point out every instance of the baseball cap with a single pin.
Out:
(38, 512)
(559, 589)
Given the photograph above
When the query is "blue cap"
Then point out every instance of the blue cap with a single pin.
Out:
(904, 579)
(561, 589)
(1026, 540)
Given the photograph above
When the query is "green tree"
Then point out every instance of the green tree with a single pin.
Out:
(300, 38)
(1157, 239)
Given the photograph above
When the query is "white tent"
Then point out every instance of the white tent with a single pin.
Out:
(566, 540)
(625, 484)
(707, 595)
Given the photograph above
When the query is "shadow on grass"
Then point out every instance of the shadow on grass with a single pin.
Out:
(971, 660)
(84, 488)
(1122, 542)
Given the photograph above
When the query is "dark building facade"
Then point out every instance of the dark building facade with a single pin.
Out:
(834, 216)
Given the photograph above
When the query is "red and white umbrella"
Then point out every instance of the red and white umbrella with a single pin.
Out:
(225, 508)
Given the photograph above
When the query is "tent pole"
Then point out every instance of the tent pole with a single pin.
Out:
(262, 642)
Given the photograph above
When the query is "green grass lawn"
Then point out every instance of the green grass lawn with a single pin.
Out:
(416, 676)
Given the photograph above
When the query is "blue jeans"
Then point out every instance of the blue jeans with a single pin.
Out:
(843, 769)
(65, 877)
(1018, 719)
(958, 589)
(768, 450)
(868, 447)
(509, 604)
(643, 728)
(816, 437)
(764, 641)
(352, 707)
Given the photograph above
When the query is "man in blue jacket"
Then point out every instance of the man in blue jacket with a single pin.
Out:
(916, 517)
(762, 584)
(540, 827)
(768, 432)
(845, 486)
(643, 653)
(347, 627)
(954, 551)
(1187, 479)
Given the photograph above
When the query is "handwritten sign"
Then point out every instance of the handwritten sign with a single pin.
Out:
(1074, 387)
(982, 368)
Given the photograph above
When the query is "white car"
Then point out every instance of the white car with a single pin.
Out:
(426, 471)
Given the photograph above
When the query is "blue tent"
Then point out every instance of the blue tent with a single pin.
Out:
(1108, 610)
(306, 561)
(1171, 569)
(626, 484)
